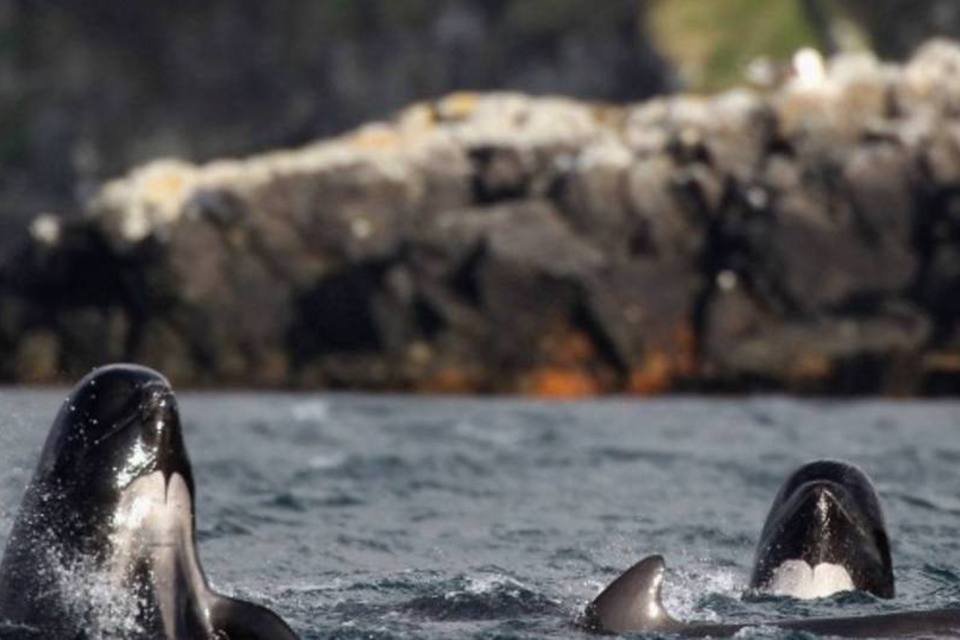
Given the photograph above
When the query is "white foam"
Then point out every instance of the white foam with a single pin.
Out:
(682, 595)
(489, 583)
(105, 606)
(330, 460)
(797, 579)
(311, 411)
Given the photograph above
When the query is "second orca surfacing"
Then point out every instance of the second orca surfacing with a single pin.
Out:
(826, 515)
(632, 604)
(111, 507)
(825, 533)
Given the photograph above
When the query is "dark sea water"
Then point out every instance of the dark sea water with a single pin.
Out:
(408, 517)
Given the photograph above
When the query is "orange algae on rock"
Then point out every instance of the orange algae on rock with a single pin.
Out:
(662, 369)
(655, 376)
(560, 383)
(448, 380)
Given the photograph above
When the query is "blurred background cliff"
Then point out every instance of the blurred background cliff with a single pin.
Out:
(90, 90)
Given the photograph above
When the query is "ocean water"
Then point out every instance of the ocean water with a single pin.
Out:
(407, 517)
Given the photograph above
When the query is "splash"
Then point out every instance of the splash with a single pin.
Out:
(490, 583)
(684, 594)
(96, 601)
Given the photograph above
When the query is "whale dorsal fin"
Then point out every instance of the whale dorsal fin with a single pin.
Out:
(234, 619)
(632, 601)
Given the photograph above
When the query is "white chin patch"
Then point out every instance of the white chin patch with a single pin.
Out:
(153, 521)
(797, 579)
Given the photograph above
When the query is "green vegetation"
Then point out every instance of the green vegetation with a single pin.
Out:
(713, 41)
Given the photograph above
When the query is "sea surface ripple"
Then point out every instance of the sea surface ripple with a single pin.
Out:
(358, 516)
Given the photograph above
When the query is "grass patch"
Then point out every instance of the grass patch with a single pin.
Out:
(713, 41)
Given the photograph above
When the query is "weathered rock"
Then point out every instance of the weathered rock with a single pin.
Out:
(36, 357)
(806, 240)
(642, 314)
(747, 345)
(841, 236)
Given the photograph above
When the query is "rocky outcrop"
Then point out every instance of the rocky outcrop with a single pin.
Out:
(89, 89)
(807, 239)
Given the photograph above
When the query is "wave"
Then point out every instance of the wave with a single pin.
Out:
(482, 596)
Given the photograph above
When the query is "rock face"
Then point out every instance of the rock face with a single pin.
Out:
(807, 239)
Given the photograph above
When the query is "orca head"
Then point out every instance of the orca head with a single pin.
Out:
(112, 505)
(120, 423)
(825, 533)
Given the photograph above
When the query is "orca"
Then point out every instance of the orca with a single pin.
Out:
(825, 533)
(632, 604)
(104, 543)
